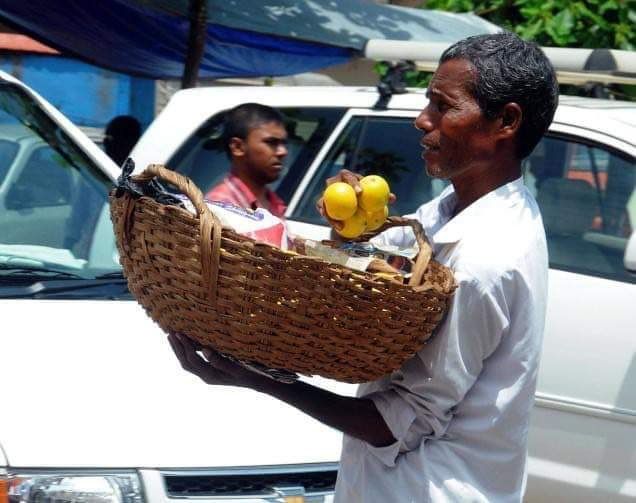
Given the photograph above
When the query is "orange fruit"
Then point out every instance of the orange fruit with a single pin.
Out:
(375, 219)
(354, 225)
(340, 201)
(375, 193)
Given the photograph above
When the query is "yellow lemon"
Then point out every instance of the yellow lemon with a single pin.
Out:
(375, 219)
(375, 193)
(354, 225)
(340, 201)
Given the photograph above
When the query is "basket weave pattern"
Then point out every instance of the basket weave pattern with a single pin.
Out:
(258, 303)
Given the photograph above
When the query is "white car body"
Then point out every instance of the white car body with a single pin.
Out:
(92, 385)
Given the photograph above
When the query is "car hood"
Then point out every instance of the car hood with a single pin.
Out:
(95, 384)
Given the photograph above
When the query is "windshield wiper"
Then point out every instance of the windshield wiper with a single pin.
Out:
(111, 275)
(35, 272)
(84, 288)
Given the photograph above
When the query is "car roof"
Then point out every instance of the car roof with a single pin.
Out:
(188, 109)
(364, 97)
(621, 111)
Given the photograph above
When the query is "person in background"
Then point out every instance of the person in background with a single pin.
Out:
(121, 135)
(255, 141)
(451, 425)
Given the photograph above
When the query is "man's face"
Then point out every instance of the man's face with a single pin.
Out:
(264, 151)
(457, 136)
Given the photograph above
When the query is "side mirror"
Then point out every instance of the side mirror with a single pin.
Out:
(630, 254)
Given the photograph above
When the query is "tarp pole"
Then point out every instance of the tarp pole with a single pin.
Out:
(196, 42)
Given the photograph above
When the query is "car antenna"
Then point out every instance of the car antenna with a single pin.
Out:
(392, 82)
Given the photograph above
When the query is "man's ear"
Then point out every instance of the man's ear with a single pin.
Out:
(510, 118)
(237, 147)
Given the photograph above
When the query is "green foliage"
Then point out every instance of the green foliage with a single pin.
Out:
(413, 78)
(558, 23)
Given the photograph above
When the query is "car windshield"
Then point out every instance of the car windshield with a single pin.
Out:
(54, 219)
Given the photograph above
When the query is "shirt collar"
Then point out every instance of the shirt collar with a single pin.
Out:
(483, 210)
(247, 197)
(240, 188)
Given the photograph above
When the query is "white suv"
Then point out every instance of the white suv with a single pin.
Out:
(583, 174)
(95, 406)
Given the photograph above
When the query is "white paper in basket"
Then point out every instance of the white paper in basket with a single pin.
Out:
(258, 224)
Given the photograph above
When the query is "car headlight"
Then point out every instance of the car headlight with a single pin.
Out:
(57, 486)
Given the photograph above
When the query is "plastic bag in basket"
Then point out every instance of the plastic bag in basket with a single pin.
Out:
(258, 224)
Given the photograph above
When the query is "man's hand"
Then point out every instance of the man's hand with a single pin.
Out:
(211, 368)
(358, 417)
(352, 179)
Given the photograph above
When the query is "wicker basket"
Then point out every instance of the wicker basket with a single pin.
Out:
(257, 303)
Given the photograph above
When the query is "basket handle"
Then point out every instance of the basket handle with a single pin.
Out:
(425, 254)
(209, 223)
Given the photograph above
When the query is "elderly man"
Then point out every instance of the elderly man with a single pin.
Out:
(451, 425)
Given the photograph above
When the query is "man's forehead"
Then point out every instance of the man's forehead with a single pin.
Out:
(453, 77)
(269, 129)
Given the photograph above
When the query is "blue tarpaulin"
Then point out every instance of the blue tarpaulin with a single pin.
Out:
(244, 38)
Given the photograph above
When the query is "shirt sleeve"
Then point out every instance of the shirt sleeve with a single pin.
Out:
(418, 401)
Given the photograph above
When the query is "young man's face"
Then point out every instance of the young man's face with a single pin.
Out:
(457, 136)
(263, 151)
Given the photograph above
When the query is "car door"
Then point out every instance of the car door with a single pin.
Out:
(586, 396)
(583, 433)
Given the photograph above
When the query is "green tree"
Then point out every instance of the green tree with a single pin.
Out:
(609, 24)
(557, 23)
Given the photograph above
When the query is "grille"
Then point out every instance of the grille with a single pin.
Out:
(253, 483)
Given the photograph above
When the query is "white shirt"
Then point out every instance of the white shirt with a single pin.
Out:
(460, 408)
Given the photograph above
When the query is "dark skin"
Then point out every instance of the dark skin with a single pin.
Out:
(258, 159)
(477, 155)
(357, 417)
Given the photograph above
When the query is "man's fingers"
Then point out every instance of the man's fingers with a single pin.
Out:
(320, 207)
(344, 175)
(183, 349)
(220, 362)
(336, 224)
(186, 352)
(177, 347)
(214, 358)
(392, 198)
(352, 179)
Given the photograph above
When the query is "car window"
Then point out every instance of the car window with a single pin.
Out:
(44, 178)
(386, 146)
(587, 197)
(8, 151)
(54, 195)
(202, 158)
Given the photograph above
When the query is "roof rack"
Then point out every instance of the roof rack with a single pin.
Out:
(572, 65)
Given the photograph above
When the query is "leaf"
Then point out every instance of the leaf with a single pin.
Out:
(587, 13)
(381, 68)
(563, 22)
(608, 5)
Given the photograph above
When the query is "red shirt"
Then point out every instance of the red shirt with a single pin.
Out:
(233, 190)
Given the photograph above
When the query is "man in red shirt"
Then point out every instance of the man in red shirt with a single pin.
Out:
(255, 140)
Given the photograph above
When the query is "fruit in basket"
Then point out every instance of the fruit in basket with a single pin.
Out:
(375, 219)
(340, 201)
(375, 193)
(353, 226)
